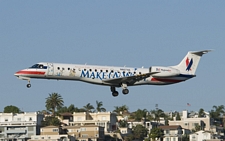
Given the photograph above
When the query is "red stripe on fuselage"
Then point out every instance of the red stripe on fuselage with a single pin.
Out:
(166, 80)
(31, 72)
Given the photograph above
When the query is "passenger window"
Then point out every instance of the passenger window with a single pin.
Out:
(89, 69)
(139, 72)
(100, 70)
(84, 69)
(106, 70)
(62, 68)
(68, 68)
(58, 68)
(40, 66)
(111, 70)
(95, 70)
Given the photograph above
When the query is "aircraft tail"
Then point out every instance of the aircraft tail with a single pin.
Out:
(190, 62)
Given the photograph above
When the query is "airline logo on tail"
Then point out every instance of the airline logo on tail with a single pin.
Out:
(189, 64)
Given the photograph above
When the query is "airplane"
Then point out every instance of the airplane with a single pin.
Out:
(115, 76)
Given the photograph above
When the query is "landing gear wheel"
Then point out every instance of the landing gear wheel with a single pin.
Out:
(115, 93)
(28, 85)
(125, 91)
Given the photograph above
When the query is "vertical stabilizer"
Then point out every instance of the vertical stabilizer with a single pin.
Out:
(190, 62)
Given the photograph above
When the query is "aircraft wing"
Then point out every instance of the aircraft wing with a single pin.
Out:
(129, 79)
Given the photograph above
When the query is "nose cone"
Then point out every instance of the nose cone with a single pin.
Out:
(17, 73)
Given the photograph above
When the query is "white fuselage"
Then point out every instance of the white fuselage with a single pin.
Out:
(95, 74)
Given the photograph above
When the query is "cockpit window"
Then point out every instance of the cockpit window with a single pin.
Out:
(35, 66)
(38, 66)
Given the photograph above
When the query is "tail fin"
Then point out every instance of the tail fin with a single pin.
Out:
(190, 62)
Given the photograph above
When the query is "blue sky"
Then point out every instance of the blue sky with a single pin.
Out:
(115, 33)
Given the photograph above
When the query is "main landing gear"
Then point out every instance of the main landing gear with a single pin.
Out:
(124, 91)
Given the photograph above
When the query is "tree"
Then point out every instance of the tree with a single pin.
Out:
(178, 116)
(217, 112)
(11, 109)
(54, 101)
(88, 107)
(140, 114)
(99, 107)
(157, 114)
(123, 123)
(201, 113)
(51, 121)
(156, 133)
(122, 109)
(140, 132)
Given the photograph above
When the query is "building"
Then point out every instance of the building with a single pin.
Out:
(52, 138)
(171, 133)
(107, 120)
(86, 132)
(19, 126)
(200, 136)
(190, 123)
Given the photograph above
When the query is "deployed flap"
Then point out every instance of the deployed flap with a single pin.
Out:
(129, 79)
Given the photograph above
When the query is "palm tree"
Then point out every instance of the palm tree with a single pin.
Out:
(122, 109)
(140, 114)
(88, 107)
(54, 101)
(99, 107)
(157, 114)
(218, 112)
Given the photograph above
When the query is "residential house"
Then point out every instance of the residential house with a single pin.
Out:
(172, 132)
(86, 132)
(107, 120)
(19, 126)
(200, 136)
(191, 123)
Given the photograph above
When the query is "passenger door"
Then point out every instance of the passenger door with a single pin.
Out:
(50, 69)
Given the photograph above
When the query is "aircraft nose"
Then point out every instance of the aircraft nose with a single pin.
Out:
(17, 73)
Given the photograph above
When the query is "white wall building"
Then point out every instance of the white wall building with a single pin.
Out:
(200, 136)
(19, 126)
(107, 120)
(190, 123)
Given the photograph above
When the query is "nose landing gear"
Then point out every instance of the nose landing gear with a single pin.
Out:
(28, 85)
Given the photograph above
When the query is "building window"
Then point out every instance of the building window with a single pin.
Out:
(30, 119)
(83, 129)
(167, 139)
(18, 119)
(84, 135)
(167, 131)
(6, 119)
(174, 139)
(55, 130)
(103, 118)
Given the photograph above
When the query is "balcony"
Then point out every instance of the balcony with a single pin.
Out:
(16, 131)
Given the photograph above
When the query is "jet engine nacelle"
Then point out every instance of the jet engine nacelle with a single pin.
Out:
(164, 71)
